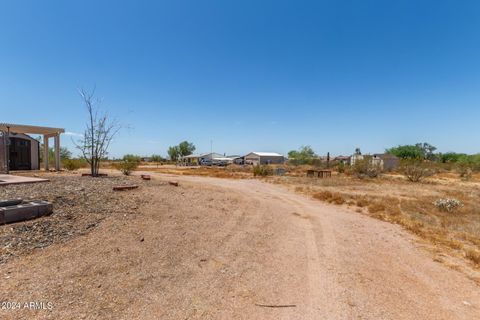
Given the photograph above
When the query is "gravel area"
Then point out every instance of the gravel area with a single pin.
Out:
(80, 204)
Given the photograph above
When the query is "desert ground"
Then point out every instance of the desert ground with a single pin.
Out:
(217, 248)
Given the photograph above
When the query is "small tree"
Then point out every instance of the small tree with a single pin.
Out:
(416, 169)
(451, 157)
(406, 152)
(173, 153)
(185, 148)
(98, 135)
(418, 151)
(304, 155)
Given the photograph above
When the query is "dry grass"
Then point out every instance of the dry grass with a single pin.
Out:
(229, 172)
(410, 205)
(473, 255)
(328, 196)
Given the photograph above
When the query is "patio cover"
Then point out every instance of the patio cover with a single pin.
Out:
(47, 132)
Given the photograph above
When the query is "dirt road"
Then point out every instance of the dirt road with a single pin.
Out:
(237, 249)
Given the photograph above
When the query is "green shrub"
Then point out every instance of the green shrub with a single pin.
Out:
(126, 167)
(262, 171)
(129, 164)
(74, 164)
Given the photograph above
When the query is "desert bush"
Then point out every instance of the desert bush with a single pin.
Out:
(416, 169)
(362, 202)
(323, 195)
(337, 199)
(74, 164)
(262, 171)
(473, 255)
(127, 167)
(376, 207)
(465, 173)
(465, 168)
(448, 205)
(341, 167)
(328, 196)
(128, 164)
(365, 168)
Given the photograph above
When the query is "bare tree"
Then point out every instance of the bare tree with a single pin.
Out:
(99, 133)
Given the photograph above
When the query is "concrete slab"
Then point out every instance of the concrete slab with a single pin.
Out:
(6, 179)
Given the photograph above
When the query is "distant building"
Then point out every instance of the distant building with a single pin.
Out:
(385, 161)
(200, 159)
(357, 156)
(264, 158)
(343, 159)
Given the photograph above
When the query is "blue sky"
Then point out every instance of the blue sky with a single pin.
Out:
(249, 75)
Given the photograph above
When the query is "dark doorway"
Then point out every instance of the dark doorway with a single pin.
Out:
(20, 154)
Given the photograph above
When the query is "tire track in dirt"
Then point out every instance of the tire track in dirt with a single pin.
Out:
(321, 252)
(323, 294)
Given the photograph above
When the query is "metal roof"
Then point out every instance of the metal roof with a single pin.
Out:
(267, 154)
(20, 128)
(192, 156)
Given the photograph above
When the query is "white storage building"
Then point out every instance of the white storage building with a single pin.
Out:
(264, 158)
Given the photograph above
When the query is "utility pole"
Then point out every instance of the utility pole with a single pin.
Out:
(7, 149)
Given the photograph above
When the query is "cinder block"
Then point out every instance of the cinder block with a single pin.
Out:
(10, 202)
(25, 211)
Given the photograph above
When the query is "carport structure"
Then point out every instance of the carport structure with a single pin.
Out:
(6, 129)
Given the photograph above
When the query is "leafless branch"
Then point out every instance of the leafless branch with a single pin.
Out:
(99, 132)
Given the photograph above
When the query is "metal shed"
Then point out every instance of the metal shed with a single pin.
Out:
(264, 158)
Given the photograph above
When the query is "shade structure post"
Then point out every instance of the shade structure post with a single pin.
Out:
(57, 152)
(45, 152)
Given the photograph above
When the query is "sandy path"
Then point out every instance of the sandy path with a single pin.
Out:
(217, 248)
(362, 268)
